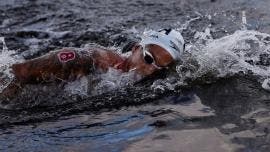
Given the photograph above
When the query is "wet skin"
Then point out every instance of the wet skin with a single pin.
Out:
(48, 66)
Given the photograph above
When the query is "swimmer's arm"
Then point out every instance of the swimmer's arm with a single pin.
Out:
(53, 66)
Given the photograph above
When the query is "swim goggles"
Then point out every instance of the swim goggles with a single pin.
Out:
(148, 58)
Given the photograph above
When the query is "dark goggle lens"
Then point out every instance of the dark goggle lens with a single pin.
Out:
(148, 59)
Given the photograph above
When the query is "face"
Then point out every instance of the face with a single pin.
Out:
(137, 61)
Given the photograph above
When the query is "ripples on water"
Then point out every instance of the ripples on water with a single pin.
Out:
(227, 71)
(99, 132)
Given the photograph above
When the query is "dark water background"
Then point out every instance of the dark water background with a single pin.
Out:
(133, 118)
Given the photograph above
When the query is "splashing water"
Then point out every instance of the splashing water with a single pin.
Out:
(96, 84)
(244, 51)
(4, 49)
(114, 79)
(7, 58)
(79, 87)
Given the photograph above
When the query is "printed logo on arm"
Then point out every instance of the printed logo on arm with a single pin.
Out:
(65, 56)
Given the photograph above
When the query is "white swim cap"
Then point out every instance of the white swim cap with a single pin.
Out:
(169, 39)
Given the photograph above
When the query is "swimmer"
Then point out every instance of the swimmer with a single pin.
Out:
(156, 50)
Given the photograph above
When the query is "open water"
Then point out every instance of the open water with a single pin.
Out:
(217, 99)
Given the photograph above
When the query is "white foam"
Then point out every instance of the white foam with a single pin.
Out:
(79, 86)
(266, 84)
(114, 79)
(7, 58)
(96, 84)
(238, 52)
